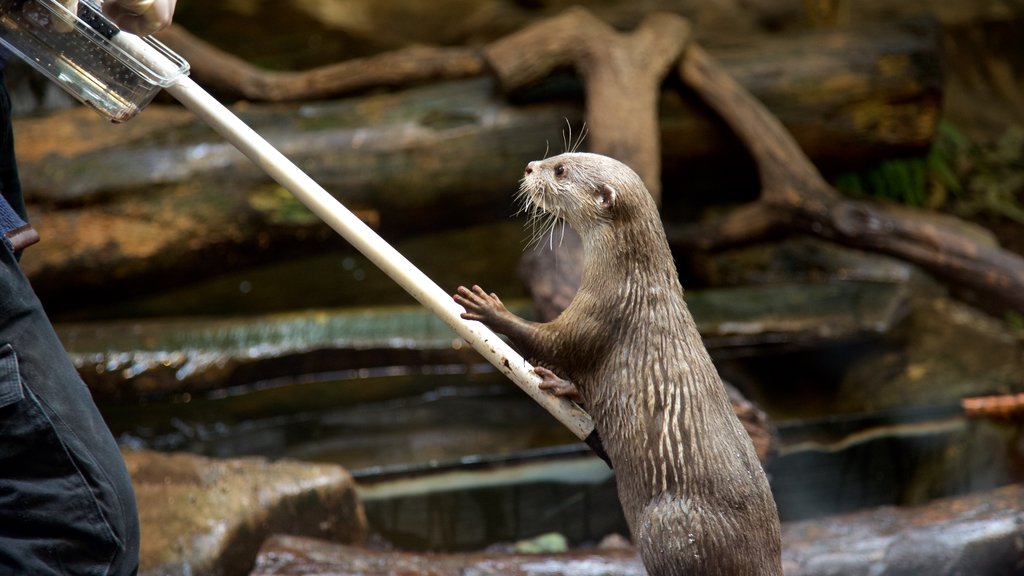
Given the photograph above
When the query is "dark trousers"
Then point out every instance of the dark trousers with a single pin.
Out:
(66, 501)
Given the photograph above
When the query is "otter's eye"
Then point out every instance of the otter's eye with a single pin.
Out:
(560, 170)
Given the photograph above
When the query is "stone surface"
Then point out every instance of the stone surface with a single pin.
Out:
(896, 341)
(488, 502)
(154, 358)
(945, 351)
(802, 259)
(285, 555)
(203, 516)
(158, 358)
(978, 534)
(758, 319)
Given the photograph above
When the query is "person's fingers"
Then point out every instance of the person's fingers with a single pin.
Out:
(66, 22)
(136, 6)
(140, 17)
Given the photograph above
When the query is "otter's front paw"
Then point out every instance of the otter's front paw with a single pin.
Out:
(550, 382)
(480, 305)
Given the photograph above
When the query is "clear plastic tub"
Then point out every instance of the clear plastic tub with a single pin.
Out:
(77, 52)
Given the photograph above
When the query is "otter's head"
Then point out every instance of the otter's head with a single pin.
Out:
(587, 191)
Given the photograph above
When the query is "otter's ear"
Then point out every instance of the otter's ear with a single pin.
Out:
(605, 196)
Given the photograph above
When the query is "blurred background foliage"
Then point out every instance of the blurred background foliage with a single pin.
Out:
(976, 180)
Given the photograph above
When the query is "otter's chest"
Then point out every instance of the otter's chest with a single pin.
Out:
(639, 376)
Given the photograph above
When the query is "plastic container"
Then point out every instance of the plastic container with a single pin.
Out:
(77, 52)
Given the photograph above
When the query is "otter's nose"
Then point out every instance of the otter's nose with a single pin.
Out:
(529, 168)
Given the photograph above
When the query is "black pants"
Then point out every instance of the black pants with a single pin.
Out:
(66, 501)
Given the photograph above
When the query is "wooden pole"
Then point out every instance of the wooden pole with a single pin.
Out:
(364, 239)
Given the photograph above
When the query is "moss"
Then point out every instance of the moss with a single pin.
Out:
(991, 175)
(1015, 320)
(905, 181)
(280, 207)
(966, 178)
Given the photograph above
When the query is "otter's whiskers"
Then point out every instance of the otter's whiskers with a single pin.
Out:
(541, 221)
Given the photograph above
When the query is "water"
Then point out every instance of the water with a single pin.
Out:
(368, 421)
(456, 458)
(93, 92)
(447, 451)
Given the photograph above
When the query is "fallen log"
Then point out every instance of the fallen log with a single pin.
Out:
(882, 102)
(886, 80)
(406, 159)
(795, 198)
(228, 75)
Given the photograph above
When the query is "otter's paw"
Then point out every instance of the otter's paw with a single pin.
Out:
(550, 382)
(480, 305)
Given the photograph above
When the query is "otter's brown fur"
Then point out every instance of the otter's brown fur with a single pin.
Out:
(694, 494)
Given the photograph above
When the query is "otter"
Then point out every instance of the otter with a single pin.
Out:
(692, 489)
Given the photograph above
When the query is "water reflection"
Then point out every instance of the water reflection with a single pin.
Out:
(393, 425)
(360, 422)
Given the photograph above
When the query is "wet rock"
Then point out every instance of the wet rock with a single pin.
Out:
(839, 464)
(946, 350)
(203, 516)
(939, 351)
(156, 358)
(290, 556)
(149, 359)
(805, 259)
(977, 534)
(489, 502)
(758, 319)
(807, 293)
(867, 332)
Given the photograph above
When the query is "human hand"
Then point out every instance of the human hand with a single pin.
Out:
(140, 17)
(62, 24)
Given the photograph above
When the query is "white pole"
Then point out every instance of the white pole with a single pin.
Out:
(362, 237)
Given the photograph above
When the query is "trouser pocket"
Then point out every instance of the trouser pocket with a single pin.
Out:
(50, 520)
